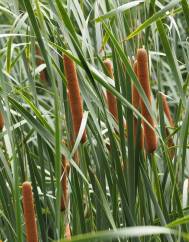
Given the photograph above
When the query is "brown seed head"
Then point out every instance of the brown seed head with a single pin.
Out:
(142, 70)
(29, 213)
(68, 232)
(1, 121)
(167, 110)
(74, 95)
(112, 102)
(169, 140)
(136, 104)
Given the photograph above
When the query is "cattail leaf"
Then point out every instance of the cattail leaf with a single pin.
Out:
(80, 133)
(160, 14)
(131, 232)
(57, 133)
(155, 202)
(183, 139)
(105, 204)
(9, 53)
(130, 72)
(172, 60)
(118, 10)
(178, 221)
(116, 186)
(185, 8)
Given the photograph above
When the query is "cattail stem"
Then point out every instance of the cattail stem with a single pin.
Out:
(142, 70)
(136, 103)
(29, 213)
(74, 96)
(64, 183)
(111, 99)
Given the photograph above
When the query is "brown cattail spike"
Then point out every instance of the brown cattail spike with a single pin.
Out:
(74, 95)
(1, 121)
(170, 142)
(136, 104)
(29, 213)
(167, 110)
(142, 70)
(68, 232)
(112, 102)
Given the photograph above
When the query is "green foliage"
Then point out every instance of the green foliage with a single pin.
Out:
(117, 192)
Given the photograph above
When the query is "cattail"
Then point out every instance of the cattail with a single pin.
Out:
(74, 96)
(29, 213)
(170, 142)
(64, 183)
(68, 232)
(167, 110)
(1, 121)
(111, 99)
(142, 70)
(39, 62)
(136, 103)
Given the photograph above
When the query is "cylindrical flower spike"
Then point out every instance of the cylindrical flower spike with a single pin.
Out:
(167, 110)
(111, 99)
(74, 95)
(142, 70)
(170, 142)
(29, 213)
(68, 232)
(1, 121)
(136, 104)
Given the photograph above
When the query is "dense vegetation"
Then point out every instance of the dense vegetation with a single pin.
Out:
(94, 112)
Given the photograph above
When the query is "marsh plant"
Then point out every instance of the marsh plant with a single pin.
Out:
(94, 119)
